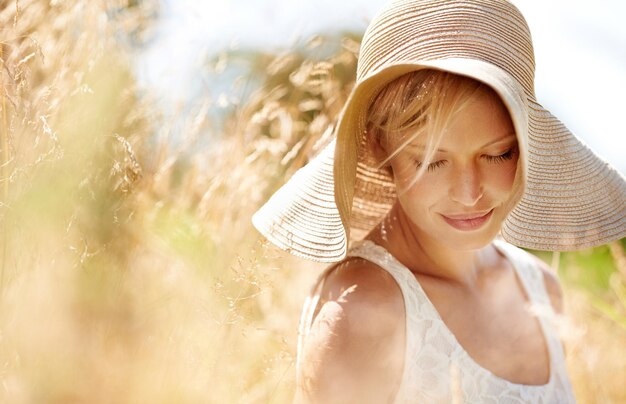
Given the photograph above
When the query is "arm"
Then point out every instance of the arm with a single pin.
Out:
(354, 352)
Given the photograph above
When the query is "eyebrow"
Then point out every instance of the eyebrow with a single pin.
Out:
(505, 137)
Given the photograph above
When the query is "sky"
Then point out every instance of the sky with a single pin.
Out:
(580, 52)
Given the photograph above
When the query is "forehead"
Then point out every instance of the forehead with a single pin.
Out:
(483, 119)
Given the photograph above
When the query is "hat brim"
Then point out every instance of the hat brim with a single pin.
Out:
(572, 199)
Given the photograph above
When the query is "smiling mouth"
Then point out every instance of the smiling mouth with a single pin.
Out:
(468, 222)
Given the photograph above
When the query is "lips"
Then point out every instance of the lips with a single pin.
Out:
(468, 221)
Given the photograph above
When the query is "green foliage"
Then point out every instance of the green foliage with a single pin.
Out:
(589, 269)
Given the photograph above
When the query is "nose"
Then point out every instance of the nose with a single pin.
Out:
(466, 186)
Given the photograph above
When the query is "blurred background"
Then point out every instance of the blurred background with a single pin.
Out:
(138, 137)
(580, 52)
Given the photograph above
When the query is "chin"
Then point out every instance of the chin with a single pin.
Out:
(470, 242)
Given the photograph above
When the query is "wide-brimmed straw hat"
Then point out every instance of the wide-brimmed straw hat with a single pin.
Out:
(572, 199)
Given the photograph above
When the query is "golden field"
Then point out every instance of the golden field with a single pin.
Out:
(130, 271)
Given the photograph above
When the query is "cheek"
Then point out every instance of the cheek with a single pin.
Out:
(420, 194)
(403, 173)
(501, 177)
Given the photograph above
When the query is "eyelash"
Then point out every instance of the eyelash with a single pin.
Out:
(508, 155)
(432, 166)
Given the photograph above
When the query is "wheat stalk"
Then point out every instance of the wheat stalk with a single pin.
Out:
(4, 163)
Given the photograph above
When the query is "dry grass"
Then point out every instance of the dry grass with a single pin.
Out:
(130, 271)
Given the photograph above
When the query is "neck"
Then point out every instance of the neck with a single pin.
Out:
(426, 256)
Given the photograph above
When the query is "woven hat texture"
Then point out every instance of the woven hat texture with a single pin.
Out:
(572, 199)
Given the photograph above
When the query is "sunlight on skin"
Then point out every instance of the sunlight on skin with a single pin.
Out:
(472, 178)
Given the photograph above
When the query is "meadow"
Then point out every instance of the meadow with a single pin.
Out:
(129, 269)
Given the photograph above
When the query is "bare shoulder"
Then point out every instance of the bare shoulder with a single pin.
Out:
(553, 286)
(363, 288)
(354, 351)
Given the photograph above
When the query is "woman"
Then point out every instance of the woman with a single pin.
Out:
(441, 147)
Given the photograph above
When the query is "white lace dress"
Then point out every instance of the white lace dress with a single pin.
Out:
(436, 368)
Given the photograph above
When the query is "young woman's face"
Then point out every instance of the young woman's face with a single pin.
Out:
(460, 199)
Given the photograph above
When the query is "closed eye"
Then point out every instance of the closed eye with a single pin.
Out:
(508, 155)
(432, 166)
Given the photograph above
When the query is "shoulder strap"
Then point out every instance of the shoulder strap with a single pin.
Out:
(529, 272)
(381, 257)
(416, 307)
(533, 280)
(411, 290)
